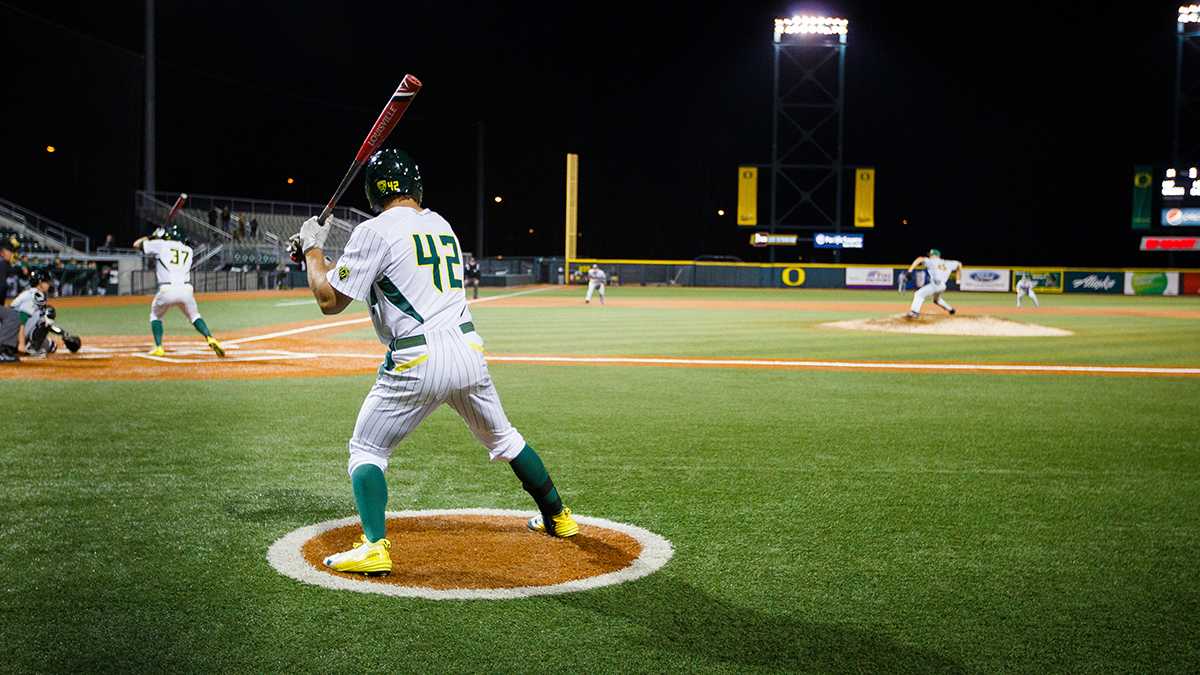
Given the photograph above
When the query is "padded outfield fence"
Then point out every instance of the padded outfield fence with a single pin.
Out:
(999, 278)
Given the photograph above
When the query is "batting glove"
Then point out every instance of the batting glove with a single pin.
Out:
(312, 235)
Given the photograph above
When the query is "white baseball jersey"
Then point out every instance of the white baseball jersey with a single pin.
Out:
(174, 260)
(596, 274)
(940, 270)
(1025, 284)
(31, 301)
(407, 265)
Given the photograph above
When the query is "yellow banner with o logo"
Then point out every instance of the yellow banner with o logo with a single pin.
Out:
(864, 197)
(747, 204)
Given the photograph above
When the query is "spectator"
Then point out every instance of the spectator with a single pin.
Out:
(114, 280)
(212, 216)
(108, 241)
(226, 219)
(254, 227)
(241, 227)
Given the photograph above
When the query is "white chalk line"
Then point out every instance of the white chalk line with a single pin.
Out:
(286, 557)
(295, 303)
(365, 319)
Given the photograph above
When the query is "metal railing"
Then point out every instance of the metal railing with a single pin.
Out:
(50, 232)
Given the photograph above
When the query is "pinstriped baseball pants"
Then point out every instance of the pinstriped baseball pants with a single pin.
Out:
(449, 368)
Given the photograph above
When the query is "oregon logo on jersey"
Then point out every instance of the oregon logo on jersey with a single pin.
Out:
(343, 273)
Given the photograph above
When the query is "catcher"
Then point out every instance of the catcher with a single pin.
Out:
(36, 320)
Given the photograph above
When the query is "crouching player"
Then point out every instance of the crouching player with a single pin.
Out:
(1025, 288)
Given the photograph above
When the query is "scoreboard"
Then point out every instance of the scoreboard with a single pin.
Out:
(1178, 197)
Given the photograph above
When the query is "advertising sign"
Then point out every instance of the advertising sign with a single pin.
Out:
(747, 204)
(984, 280)
(1170, 244)
(864, 197)
(1152, 283)
(760, 239)
(1045, 281)
(832, 240)
(869, 277)
(1190, 282)
(1176, 217)
(1095, 282)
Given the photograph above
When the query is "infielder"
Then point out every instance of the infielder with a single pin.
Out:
(596, 280)
(1025, 287)
(405, 264)
(173, 265)
(938, 273)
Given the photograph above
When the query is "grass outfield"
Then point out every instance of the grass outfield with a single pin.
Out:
(822, 521)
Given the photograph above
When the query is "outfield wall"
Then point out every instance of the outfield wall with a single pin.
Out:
(998, 278)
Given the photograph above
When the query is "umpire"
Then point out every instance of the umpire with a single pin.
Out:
(10, 321)
(7, 249)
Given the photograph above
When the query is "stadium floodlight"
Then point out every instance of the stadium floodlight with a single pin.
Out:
(806, 24)
(1187, 14)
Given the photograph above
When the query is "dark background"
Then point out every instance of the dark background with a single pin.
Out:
(1006, 137)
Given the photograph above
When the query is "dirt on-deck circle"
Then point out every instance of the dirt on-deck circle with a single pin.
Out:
(475, 554)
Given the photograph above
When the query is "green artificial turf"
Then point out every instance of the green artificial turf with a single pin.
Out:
(822, 521)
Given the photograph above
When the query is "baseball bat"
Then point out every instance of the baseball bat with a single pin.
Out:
(175, 209)
(391, 114)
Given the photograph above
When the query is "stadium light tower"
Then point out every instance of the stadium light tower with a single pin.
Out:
(807, 123)
(1185, 145)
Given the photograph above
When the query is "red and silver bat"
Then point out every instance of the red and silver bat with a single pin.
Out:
(379, 132)
(175, 209)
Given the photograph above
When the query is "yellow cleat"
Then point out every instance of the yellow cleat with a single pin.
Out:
(158, 351)
(364, 558)
(216, 346)
(562, 525)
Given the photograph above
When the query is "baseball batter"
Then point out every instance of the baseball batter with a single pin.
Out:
(938, 273)
(1025, 286)
(406, 265)
(596, 280)
(173, 265)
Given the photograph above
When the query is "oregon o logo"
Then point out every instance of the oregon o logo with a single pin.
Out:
(475, 554)
(1141, 179)
(793, 276)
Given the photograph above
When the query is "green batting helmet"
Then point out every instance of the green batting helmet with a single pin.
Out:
(933, 252)
(392, 173)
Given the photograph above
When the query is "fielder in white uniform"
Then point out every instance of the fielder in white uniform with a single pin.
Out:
(1025, 287)
(173, 267)
(30, 305)
(938, 273)
(596, 281)
(406, 264)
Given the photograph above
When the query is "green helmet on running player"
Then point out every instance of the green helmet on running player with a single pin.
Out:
(392, 173)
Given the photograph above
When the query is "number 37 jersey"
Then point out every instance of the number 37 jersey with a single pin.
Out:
(407, 266)
(174, 260)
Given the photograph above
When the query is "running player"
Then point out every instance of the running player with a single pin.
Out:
(405, 264)
(938, 273)
(596, 279)
(1025, 287)
(173, 265)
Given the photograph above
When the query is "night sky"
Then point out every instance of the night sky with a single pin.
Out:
(1007, 138)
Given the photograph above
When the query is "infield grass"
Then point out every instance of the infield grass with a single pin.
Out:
(822, 521)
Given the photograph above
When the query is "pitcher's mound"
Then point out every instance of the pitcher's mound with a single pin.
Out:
(988, 326)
